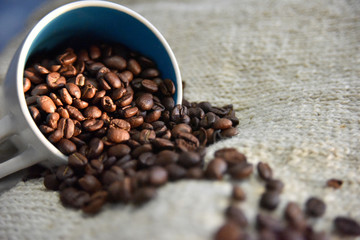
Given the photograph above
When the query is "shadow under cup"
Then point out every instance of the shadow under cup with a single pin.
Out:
(86, 21)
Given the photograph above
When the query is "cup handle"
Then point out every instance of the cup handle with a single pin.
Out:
(24, 159)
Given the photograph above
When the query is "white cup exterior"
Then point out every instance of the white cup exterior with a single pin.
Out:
(18, 125)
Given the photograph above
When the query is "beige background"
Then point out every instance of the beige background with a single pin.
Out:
(291, 69)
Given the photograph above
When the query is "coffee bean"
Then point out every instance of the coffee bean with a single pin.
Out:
(175, 171)
(96, 147)
(144, 195)
(115, 173)
(130, 112)
(112, 79)
(92, 125)
(229, 231)
(231, 155)
(94, 205)
(315, 207)
(149, 86)
(54, 80)
(56, 136)
(117, 135)
(294, 215)
(162, 143)
(269, 200)
(158, 176)
(46, 104)
(77, 160)
(107, 104)
(65, 96)
(119, 150)
(195, 173)
(66, 146)
(74, 113)
(74, 198)
(134, 66)
(35, 114)
(92, 112)
(46, 129)
(145, 102)
(334, 183)
(73, 89)
(67, 58)
(26, 84)
(115, 62)
(51, 182)
(88, 91)
(189, 159)
(94, 167)
(347, 226)
(89, 183)
(238, 193)
(216, 169)
(264, 171)
(236, 215)
(241, 170)
(268, 222)
(222, 123)
(125, 100)
(274, 185)
(147, 159)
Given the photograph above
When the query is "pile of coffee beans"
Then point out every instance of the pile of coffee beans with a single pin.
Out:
(107, 108)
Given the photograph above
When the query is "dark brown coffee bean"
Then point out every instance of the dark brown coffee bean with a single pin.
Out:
(119, 123)
(187, 142)
(79, 104)
(149, 85)
(347, 226)
(268, 222)
(150, 73)
(294, 215)
(178, 113)
(74, 198)
(166, 157)
(119, 150)
(269, 200)
(141, 149)
(46, 104)
(162, 143)
(66, 146)
(67, 58)
(115, 62)
(54, 80)
(94, 52)
(264, 171)
(158, 176)
(94, 205)
(65, 96)
(118, 93)
(126, 77)
(291, 234)
(46, 129)
(236, 215)
(147, 159)
(228, 133)
(92, 112)
(241, 170)
(52, 120)
(229, 231)
(315, 207)
(134, 66)
(135, 121)
(63, 172)
(195, 173)
(101, 73)
(56, 99)
(189, 159)
(77, 160)
(152, 116)
(180, 128)
(144, 195)
(125, 100)
(115, 173)
(117, 135)
(94, 167)
(51, 182)
(40, 69)
(26, 84)
(121, 190)
(35, 114)
(107, 104)
(167, 87)
(73, 89)
(79, 80)
(231, 155)
(96, 147)
(274, 185)
(334, 183)
(238, 193)
(130, 112)
(146, 136)
(112, 79)
(67, 126)
(92, 125)
(222, 123)
(56, 136)
(145, 102)
(168, 103)
(216, 169)
(88, 91)
(175, 172)
(89, 183)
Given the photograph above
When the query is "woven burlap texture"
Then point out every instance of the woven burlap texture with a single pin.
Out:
(290, 68)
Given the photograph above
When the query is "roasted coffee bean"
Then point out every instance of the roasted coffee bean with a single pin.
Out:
(67, 58)
(146, 136)
(152, 116)
(167, 87)
(228, 133)
(168, 103)
(112, 79)
(229, 231)
(121, 190)
(241, 170)
(115, 62)
(97, 200)
(119, 150)
(125, 100)
(334, 183)
(269, 200)
(77, 161)
(118, 93)
(180, 128)
(35, 114)
(26, 84)
(46, 104)
(189, 159)
(347, 226)
(145, 102)
(31, 74)
(63, 172)
(96, 147)
(147, 159)
(74, 198)
(268, 222)
(126, 77)
(175, 172)
(54, 80)
(94, 52)
(141, 149)
(136, 121)
(205, 106)
(315, 207)
(88, 91)
(51, 182)
(66, 146)
(216, 169)
(231, 155)
(115, 173)
(89, 183)
(236, 215)
(144, 195)
(40, 89)
(56, 136)
(92, 125)
(195, 173)
(52, 120)
(73, 89)
(150, 73)
(238, 193)
(41, 69)
(158, 176)
(94, 167)
(162, 143)
(294, 215)
(134, 66)
(74, 113)
(92, 112)
(79, 104)
(67, 126)
(264, 171)
(274, 185)
(46, 129)
(130, 112)
(117, 135)
(222, 123)
(56, 99)
(149, 85)
(119, 123)
(107, 104)
(65, 96)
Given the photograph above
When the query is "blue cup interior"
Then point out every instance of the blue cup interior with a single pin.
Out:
(89, 23)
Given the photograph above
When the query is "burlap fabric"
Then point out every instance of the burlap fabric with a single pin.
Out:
(291, 69)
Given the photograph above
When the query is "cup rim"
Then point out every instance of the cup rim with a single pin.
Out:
(43, 23)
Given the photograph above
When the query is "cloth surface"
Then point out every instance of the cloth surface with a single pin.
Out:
(291, 69)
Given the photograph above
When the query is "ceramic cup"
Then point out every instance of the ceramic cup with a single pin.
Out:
(83, 20)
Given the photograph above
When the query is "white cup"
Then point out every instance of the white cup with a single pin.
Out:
(83, 19)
